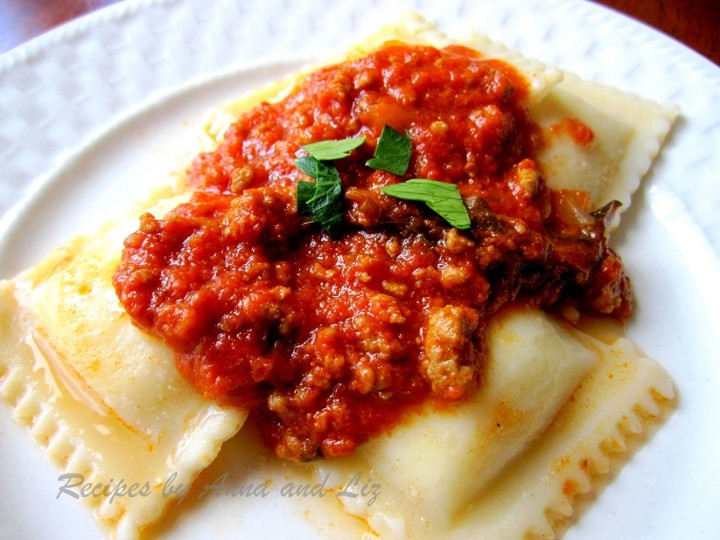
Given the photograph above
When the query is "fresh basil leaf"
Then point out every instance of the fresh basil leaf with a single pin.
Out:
(322, 199)
(305, 191)
(392, 153)
(308, 165)
(333, 149)
(317, 169)
(441, 197)
(326, 207)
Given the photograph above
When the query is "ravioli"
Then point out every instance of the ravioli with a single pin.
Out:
(505, 464)
(609, 168)
(571, 399)
(555, 406)
(556, 403)
(102, 397)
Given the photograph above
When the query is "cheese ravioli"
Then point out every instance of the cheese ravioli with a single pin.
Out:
(556, 403)
(102, 397)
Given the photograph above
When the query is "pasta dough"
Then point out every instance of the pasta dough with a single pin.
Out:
(104, 399)
(510, 461)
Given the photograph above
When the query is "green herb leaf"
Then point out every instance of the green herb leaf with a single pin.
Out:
(308, 165)
(392, 153)
(441, 197)
(333, 149)
(322, 199)
(305, 191)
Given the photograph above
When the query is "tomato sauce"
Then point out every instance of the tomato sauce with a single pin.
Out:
(331, 341)
(580, 133)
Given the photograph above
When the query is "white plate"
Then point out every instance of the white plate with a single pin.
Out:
(84, 112)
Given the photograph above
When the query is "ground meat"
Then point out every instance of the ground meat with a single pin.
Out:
(330, 341)
(451, 354)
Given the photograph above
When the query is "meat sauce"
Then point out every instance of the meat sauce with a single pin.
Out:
(331, 341)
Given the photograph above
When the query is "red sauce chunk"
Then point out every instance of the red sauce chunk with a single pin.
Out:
(579, 132)
(331, 341)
